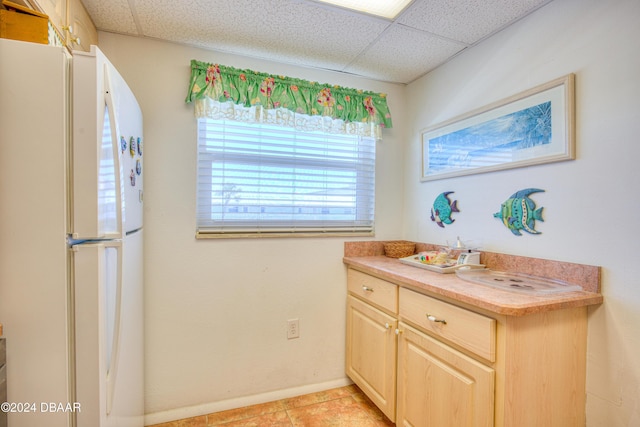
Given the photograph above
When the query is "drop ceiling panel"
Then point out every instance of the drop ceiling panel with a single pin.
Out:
(112, 15)
(466, 20)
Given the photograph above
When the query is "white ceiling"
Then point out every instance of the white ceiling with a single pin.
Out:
(313, 34)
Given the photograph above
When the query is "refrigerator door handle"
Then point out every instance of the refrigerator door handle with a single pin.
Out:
(112, 368)
(117, 167)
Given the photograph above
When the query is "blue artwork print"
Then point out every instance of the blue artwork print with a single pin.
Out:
(491, 142)
(442, 209)
(519, 212)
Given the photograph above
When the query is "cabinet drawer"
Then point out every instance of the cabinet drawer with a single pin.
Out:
(373, 290)
(469, 330)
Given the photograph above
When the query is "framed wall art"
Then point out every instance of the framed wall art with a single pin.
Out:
(533, 127)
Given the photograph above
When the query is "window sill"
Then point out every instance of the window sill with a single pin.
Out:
(205, 235)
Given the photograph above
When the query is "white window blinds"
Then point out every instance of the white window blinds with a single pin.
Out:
(272, 180)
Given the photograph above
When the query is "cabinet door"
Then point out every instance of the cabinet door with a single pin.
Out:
(84, 32)
(439, 386)
(371, 353)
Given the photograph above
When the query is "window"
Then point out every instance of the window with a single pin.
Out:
(261, 179)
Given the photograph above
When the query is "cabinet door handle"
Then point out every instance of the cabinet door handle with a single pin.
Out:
(435, 319)
(398, 331)
(387, 325)
(367, 289)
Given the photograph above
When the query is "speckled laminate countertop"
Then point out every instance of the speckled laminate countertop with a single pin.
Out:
(485, 297)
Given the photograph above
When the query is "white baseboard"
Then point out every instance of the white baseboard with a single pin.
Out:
(239, 402)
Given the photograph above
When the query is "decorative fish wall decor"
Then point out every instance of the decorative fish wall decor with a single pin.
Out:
(442, 209)
(519, 212)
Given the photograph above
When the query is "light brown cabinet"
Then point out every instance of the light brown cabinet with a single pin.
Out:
(439, 386)
(455, 364)
(372, 308)
(72, 22)
(371, 354)
(81, 31)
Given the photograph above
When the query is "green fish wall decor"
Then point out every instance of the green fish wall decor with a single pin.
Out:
(442, 209)
(519, 212)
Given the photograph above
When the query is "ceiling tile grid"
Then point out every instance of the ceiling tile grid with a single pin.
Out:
(313, 34)
(405, 54)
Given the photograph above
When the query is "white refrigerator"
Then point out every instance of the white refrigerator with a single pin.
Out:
(71, 260)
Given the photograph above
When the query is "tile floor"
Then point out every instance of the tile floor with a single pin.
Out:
(338, 407)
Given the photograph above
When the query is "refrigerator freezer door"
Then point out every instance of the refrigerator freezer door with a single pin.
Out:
(107, 150)
(97, 204)
(129, 130)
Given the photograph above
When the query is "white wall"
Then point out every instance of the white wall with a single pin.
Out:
(590, 204)
(216, 310)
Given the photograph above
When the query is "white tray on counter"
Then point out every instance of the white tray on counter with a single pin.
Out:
(450, 267)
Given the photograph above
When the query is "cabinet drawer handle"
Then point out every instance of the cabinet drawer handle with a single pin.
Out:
(435, 319)
(367, 289)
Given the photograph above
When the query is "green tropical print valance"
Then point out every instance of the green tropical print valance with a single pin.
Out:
(222, 91)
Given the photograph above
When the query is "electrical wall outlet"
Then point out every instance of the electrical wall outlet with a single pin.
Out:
(293, 328)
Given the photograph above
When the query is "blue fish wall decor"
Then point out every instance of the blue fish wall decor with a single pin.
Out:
(442, 209)
(519, 212)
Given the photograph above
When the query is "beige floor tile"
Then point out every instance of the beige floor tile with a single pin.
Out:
(274, 419)
(321, 396)
(339, 407)
(371, 409)
(219, 418)
(338, 412)
(200, 421)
